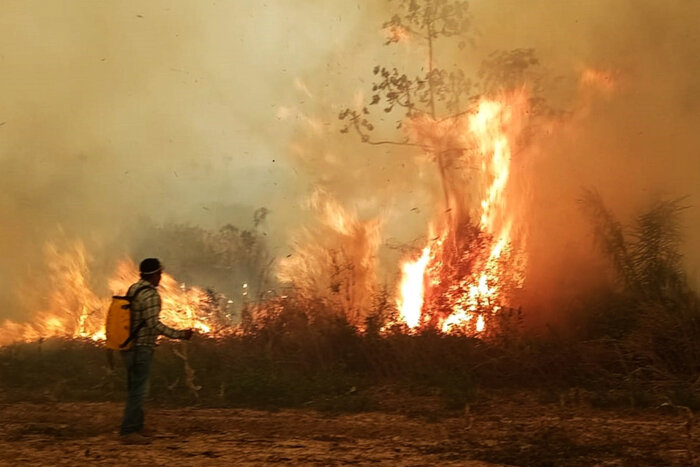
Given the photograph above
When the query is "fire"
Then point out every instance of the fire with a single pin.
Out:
(76, 311)
(411, 300)
(337, 261)
(486, 128)
(181, 306)
(464, 274)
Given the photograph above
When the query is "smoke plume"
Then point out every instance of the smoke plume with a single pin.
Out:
(120, 116)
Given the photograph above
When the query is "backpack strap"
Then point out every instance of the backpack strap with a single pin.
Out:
(132, 334)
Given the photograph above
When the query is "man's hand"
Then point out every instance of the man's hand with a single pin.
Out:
(188, 334)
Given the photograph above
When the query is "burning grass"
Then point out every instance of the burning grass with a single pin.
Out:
(636, 343)
(450, 325)
(303, 355)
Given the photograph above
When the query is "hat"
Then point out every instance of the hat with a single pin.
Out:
(150, 266)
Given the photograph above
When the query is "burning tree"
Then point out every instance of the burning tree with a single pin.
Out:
(471, 262)
(467, 269)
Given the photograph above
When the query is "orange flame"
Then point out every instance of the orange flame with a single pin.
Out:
(410, 302)
(337, 261)
(460, 295)
(181, 306)
(76, 311)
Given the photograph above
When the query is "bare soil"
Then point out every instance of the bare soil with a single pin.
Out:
(499, 430)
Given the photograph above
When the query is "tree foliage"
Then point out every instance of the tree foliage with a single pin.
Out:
(411, 95)
(222, 259)
(439, 93)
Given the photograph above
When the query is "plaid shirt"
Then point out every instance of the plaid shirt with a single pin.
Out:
(146, 306)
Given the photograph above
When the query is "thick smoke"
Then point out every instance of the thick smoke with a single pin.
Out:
(623, 75)
(119, 115)
(631, 135)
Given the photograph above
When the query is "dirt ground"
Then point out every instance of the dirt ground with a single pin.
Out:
(515, 430)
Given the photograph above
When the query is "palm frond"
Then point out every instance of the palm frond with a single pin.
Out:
(655, 249)
(609, 237)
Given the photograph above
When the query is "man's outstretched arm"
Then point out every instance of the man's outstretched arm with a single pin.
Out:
(151, 315)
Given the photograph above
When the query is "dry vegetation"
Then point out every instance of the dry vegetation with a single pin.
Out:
(637, 349)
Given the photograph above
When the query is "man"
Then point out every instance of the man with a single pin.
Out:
(146, 326)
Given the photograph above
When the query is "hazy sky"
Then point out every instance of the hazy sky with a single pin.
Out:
(191, 111)
(114, 110)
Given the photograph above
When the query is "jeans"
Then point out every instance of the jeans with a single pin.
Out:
(138, 370)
